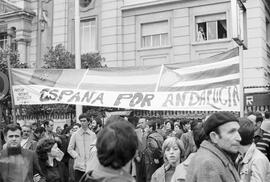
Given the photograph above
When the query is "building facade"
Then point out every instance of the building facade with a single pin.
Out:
(143, 32)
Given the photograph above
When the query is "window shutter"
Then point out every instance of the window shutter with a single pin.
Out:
(154, 28)
(211, 17)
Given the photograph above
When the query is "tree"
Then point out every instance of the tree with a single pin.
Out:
(59, 58)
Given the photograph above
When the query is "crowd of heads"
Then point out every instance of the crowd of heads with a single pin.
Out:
(117, 141)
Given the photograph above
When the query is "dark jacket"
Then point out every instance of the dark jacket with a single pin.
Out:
(211, 165)
(30, 144)
(19, 168)
(153, 151)
(105, 174)
(53, 173)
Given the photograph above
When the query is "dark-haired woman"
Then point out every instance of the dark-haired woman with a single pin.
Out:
(49, 156)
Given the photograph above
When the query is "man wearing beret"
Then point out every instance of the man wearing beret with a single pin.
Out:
(214, 160)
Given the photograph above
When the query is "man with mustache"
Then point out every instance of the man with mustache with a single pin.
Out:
(214, 160)
(17, 164)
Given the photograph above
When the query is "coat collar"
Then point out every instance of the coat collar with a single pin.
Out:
(224, 158)
(187, 161)
(249, 154)
(88, 131)
(4, 152)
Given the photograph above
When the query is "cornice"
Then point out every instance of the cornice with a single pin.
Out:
(19, 13)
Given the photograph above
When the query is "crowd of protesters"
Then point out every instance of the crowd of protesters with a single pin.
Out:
(219, 148)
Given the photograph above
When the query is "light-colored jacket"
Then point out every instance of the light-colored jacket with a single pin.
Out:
(79, 147)
(210, 164)
(254, 167)
(160, 174)
(181, 170)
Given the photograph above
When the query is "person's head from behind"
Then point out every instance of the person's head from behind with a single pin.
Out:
(84, 121)
(246, 131)
(116, 144)
(259, 120)
(13, 135)
(172, 149)
(198, 134)
(26, 131)
(48, 125)
(221, 129)
(47, 148)
(39, 132)
(194, 123)
(267, 115)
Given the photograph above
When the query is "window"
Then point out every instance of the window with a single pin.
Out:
(211, 27)
(154, 34)
(3, 40)
(88, 36)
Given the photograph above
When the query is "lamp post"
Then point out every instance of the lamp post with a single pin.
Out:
(239, 35)
(77, 47)
(10, 34)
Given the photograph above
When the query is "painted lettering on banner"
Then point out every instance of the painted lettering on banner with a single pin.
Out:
(224, 98)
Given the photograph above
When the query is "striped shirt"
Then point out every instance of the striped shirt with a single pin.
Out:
(264, 144)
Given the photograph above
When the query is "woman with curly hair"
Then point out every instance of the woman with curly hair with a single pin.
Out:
(172, 150)
(49, 156)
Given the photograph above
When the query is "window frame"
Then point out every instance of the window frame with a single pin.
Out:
(152, 18)
(207, 27)
(152, 35)
(202, 11)
(5, 41)
(89, 19)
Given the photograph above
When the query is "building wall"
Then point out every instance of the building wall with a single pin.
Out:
(181, 17)
(256, 58)
(111, 32)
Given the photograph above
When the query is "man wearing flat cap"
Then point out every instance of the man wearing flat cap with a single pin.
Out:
(214, 160)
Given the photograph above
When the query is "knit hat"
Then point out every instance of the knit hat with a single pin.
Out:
(217, 119)
(266, 125)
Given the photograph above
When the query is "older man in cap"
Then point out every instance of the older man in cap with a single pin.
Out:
(214, 160)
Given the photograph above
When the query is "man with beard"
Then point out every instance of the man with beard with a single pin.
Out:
(214, 160)
(96, 125)
(17, 164)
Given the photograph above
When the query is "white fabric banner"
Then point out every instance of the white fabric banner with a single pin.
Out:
(215, 99)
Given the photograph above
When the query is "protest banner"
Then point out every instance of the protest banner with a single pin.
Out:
(211, 84)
